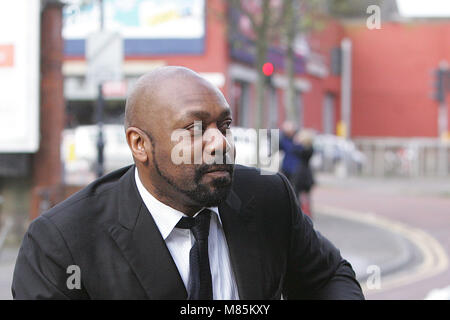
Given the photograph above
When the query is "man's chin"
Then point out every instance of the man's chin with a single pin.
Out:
(212, 196)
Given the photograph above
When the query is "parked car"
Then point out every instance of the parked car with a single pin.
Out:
(333, 152)
(79, 152)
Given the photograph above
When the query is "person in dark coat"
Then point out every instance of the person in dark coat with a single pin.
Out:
(290, 159)
(303, 178)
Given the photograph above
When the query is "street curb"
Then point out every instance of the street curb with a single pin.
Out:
(409, 254)
(431, 257)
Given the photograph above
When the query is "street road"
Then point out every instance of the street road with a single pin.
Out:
(418, 209)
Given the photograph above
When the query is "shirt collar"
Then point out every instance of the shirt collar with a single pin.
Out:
(165, 216)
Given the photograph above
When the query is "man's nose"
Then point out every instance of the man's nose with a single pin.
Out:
(215, 142)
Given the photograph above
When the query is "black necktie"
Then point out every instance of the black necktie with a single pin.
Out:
(200, 283)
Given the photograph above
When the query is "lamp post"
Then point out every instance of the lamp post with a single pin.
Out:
(443, 86)
(99, 112)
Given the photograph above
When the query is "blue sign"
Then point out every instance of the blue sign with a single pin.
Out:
(149, 27)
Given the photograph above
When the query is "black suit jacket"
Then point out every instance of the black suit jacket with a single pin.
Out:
(107, 231)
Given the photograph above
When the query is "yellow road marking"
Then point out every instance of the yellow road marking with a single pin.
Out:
(435, 259)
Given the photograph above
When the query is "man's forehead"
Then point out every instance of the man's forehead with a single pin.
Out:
(193, 98)
(201, 113)
(198, 105)
(202, 108)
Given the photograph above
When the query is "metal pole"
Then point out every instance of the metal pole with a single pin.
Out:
(102, 15)
(442, 116)
(346, 94)
(443, 123)
(346, 85)
(99, 112)
(100, 140)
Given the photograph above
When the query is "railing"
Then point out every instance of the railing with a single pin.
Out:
(414, 157)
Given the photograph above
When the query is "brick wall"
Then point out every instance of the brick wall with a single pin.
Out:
(46, 166)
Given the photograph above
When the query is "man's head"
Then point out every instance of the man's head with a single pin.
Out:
(173, 111)
(289, 128)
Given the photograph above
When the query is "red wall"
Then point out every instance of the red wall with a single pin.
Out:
(392, 80)
(322, 41)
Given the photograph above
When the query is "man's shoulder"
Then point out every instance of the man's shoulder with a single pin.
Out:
(258, 182)
(264, 195)
(253, 174)
(90, 201)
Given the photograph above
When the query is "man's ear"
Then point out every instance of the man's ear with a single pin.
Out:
(137, 143)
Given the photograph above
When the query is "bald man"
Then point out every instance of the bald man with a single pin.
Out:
(183, 222)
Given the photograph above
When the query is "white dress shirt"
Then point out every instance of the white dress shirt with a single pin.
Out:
(180, 241)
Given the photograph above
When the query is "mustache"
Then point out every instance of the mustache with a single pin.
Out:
(203, 169)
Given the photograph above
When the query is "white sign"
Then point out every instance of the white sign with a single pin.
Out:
(113, 89)
(19, 75)
(149, 19)
(104, 54)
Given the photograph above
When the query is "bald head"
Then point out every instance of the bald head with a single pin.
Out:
(157, 89)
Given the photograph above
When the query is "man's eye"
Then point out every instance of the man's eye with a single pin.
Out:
(196, 128)
(226, 125)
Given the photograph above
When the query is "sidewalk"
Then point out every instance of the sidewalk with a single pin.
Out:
(422, 186)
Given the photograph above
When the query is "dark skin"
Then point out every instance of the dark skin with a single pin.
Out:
(176, 98)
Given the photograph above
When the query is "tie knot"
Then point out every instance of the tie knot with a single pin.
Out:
(198, 225)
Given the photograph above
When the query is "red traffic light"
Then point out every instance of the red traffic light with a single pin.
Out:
(267, 69)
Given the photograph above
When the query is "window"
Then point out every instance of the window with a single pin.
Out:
(241, 102)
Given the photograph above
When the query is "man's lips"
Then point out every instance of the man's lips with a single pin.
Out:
(219, 169)
(218, 173)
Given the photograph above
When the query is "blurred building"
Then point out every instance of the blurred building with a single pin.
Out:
(224, 55)
(389, 111)
(31, 111)
(393, 77)
(391, 67)
(396, 119)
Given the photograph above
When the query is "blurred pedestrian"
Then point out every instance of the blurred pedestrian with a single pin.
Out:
(303, 177)
(290, 160)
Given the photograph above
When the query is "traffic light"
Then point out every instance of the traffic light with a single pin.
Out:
(336, 61)
(439, 86)
(267, 70)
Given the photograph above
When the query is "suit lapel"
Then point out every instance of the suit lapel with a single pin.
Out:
(141, 243)
(241, 235)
